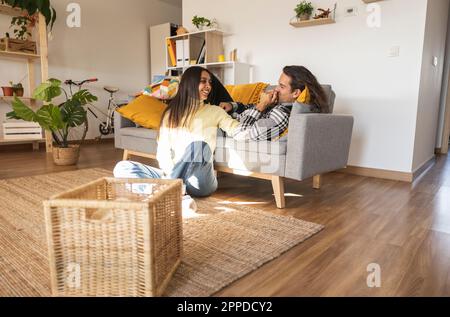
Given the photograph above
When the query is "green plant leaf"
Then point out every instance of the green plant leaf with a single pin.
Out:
(73, 114)
(22, 111)
(34, 6)
(48, 90)
(84, 97)
(12, 115)
(49, 117)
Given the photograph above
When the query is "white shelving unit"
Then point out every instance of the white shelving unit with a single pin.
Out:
(229, 72)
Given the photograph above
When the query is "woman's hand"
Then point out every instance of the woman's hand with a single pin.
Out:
(226, 106)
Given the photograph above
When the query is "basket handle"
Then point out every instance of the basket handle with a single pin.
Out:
(98, 215)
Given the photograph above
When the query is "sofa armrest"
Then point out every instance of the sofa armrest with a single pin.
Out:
(120, 123)
(317, 144)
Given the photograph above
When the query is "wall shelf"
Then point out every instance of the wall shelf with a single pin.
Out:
(313, 22)
(212, 31)
(218, 64)
(8, 99)
(19, 55)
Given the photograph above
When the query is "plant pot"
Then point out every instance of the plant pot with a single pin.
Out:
(66, 156)
(8, 91)
(304, 17)
(18, 92)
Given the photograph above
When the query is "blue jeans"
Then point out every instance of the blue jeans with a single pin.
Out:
(196, 169)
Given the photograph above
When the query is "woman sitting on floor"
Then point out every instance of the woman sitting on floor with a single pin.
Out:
(187, 137)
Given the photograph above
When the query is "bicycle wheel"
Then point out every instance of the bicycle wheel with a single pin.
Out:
(104, 129)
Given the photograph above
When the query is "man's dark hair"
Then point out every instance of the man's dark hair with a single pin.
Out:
(301, 77)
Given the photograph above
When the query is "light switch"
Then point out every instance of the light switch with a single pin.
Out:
(394, 51)
(351, 11)
(435, 61)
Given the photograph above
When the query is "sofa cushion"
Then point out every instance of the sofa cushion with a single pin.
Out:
(140, 133)
(331, 97)
(248, 94)
(142, 145)
(145, 111)
(245, 161)
(275, 148)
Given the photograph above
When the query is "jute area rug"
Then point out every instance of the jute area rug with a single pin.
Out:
(222, 243)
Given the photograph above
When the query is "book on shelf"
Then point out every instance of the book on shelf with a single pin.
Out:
(180, 53)
(171, 47)
(202, 54)
(186, 53)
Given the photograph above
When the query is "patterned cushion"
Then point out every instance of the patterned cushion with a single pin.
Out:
(163, 89)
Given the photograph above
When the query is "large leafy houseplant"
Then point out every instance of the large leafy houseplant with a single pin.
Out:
(58, 119)
(33, 7)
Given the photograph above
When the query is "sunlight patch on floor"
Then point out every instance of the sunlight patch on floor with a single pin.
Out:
(293, 195)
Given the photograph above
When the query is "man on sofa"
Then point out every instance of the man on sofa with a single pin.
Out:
(269, 119)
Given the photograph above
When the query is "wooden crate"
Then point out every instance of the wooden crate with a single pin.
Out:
(14, 45)
(21, 130)
(115, 237)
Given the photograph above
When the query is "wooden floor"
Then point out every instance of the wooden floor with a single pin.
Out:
(402, 227)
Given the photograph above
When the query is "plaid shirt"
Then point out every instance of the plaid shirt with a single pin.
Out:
(261, 126)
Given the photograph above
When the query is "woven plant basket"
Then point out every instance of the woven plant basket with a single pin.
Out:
(66, 156)
(115, 237)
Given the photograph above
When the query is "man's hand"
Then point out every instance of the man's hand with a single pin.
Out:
(226, 106)
(267, 100)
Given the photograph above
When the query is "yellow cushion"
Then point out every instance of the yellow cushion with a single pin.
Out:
(248, 94)
(145, 110)
(305, 96)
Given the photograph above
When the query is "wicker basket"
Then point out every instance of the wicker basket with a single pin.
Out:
(115, 237)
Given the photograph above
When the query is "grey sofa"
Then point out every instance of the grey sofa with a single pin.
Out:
(316, 144)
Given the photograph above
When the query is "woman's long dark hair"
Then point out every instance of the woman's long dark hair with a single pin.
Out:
(187, 100)
(301, 77)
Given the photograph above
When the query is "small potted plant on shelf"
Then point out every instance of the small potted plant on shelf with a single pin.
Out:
(23, 26)
(60, 119)
(201, 23)
(8, 91)
(17, 89)
(304, 10)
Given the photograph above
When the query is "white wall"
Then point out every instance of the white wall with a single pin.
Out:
(444, 92)
(431, 82)
(379, 91)
(112, 44)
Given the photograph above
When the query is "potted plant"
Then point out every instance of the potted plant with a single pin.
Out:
(33, 7)
(201, 22)
(58, 119)
(23, 26)
(17, 89)
(8, 91)
(304, 10)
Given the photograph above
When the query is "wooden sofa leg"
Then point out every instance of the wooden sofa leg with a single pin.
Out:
(317, 182)
(278, 190)
(126, 155)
